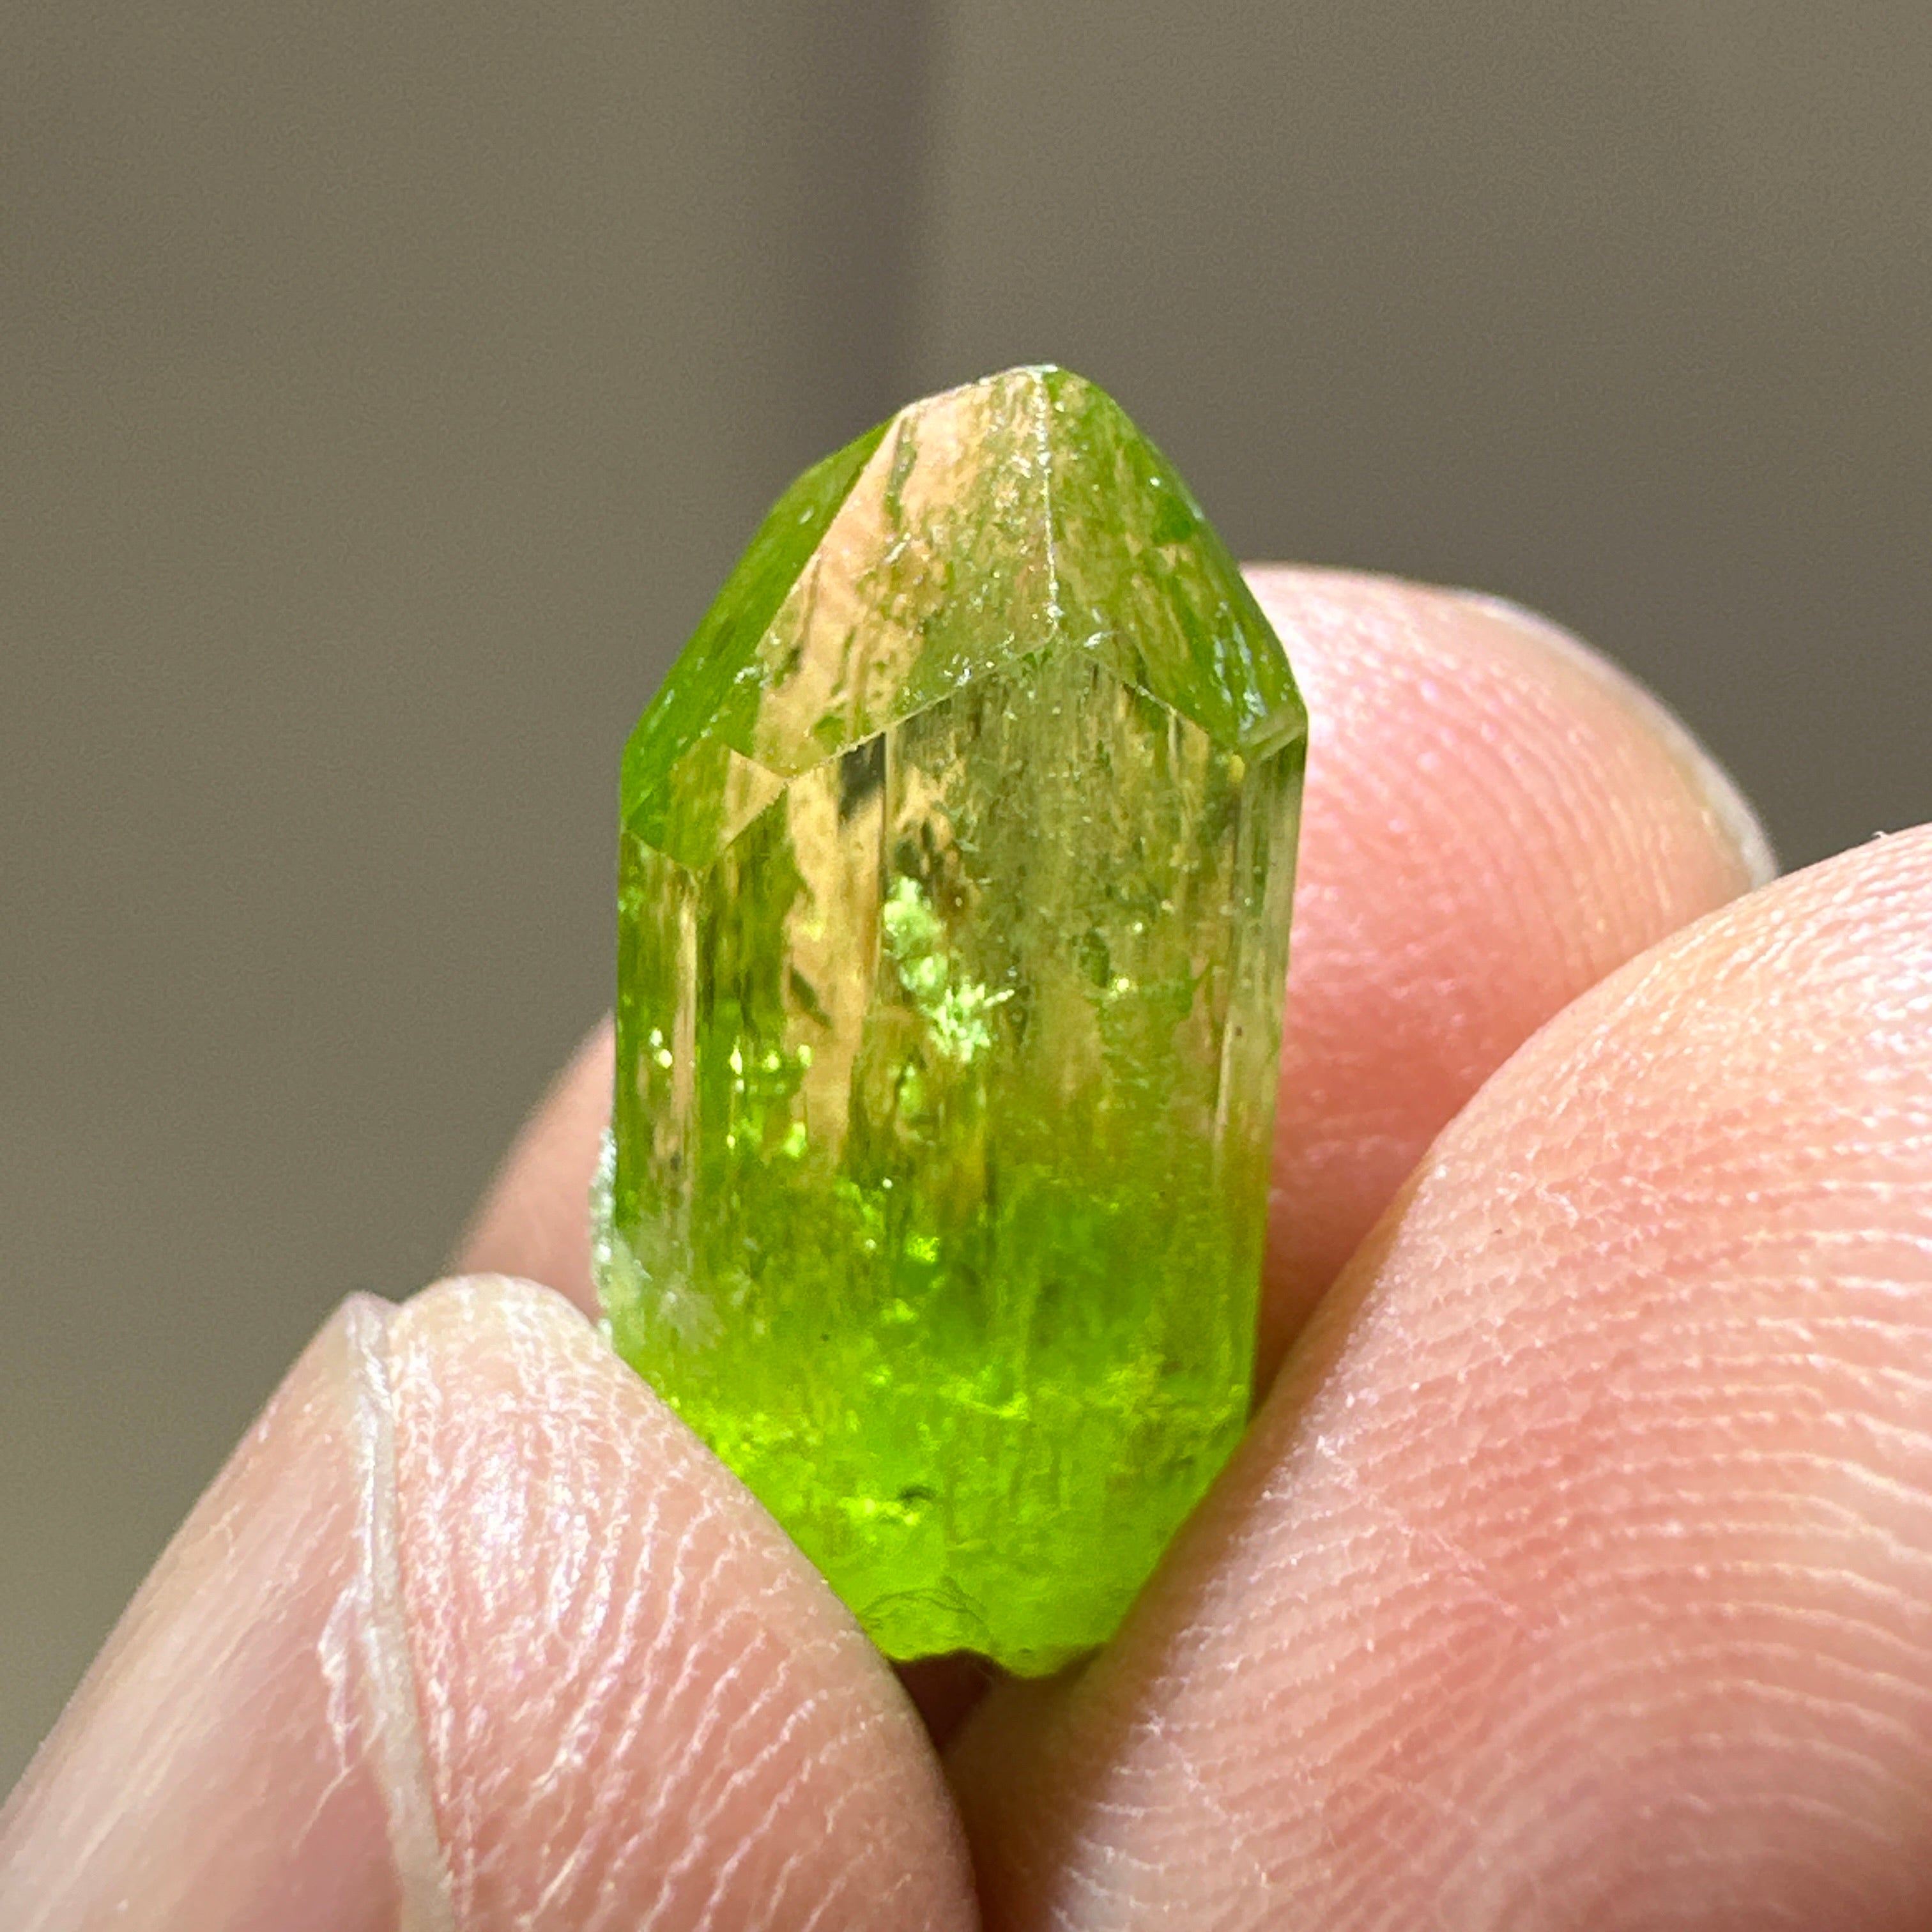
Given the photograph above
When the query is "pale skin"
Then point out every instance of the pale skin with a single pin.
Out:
(1576, 1571)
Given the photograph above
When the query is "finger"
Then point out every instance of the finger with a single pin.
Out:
(1579, 1571)
(240, 1756)
(1495, 819)
(472, 1634)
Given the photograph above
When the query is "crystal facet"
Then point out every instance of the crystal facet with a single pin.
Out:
(956, 857)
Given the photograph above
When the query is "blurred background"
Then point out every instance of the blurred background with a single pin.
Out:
(385, 386)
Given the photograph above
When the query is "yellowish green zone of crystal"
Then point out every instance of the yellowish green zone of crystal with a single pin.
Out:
(956, 854)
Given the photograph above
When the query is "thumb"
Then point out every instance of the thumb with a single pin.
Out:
(246, 1745)
(471, 1633)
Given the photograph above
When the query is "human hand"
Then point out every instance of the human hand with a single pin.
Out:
(1572, 1573)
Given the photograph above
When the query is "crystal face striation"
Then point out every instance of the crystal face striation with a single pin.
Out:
(956, 854)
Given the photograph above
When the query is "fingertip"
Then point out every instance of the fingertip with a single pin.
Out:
(243, 1754)
(472, 1632)
(634, 1688)
(1573, 1572)
(1495, 817)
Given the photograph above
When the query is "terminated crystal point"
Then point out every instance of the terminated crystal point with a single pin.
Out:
(956, 857)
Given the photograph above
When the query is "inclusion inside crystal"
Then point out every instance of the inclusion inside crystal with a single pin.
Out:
(956, 855)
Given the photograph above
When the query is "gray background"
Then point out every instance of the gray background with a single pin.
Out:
(385, 384)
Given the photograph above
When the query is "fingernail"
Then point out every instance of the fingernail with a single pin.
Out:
(244, 1754)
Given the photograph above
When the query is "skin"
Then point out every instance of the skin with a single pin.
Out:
(1576, 1572)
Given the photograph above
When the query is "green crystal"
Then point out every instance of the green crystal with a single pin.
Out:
(956, 854)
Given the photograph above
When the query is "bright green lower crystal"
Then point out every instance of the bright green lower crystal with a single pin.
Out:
(956, 858)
